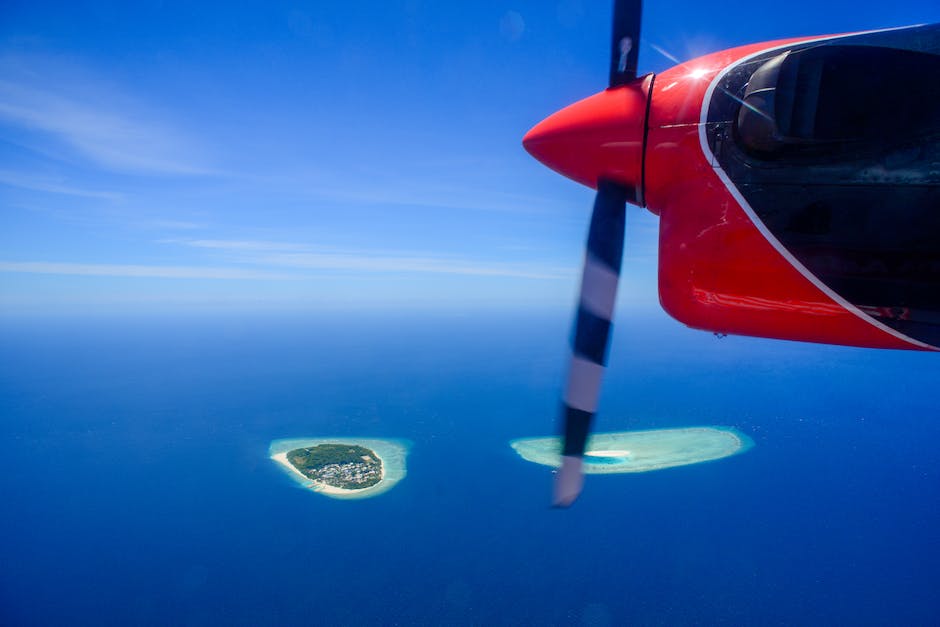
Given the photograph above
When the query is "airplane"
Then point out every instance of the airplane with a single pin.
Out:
(797, 184)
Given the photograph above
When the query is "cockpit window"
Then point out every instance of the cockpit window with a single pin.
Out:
(828, 96)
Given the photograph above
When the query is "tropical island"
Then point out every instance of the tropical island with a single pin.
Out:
(342, 468)
(641, 451)
(349, 467)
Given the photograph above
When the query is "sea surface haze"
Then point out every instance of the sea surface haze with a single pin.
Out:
(137, 489)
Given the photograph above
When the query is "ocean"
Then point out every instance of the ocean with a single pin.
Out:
(136, 487)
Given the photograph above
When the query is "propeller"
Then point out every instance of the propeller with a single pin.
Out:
(625, 41)
(598, 142)
(593, 322)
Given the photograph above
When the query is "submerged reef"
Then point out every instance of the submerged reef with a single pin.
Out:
(640, 451)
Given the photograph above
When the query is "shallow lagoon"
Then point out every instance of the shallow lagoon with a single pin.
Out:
(641, 451)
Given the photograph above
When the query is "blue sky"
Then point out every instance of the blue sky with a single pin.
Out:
(161, 156)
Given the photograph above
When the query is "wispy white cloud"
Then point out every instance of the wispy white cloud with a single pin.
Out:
(52, 186)
(410, 194)
(97, 120)
(237, 245)
(138, 271)
(366, 262)
(459, 184)
(174, 225)
(307, 257)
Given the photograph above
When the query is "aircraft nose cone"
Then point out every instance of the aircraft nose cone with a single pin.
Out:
(598, 137)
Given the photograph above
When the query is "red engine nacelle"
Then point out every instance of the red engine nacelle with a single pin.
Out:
(721, 268)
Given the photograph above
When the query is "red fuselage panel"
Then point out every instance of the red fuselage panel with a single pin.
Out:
(719, 268)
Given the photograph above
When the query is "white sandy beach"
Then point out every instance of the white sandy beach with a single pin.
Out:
(319, 486)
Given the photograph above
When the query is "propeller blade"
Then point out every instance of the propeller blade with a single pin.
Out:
(599, 280)
(625, 42)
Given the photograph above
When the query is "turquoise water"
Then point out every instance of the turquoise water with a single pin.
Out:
(606, 460)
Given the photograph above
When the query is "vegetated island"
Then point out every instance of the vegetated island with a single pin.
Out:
(349, 467)
(342, 468)
(641, 451)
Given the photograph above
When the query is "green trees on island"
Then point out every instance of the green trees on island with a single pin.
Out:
(346, 466)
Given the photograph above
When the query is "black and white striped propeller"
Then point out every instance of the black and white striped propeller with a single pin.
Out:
(599, 280)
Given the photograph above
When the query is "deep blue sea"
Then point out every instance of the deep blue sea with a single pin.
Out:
(136, 489)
